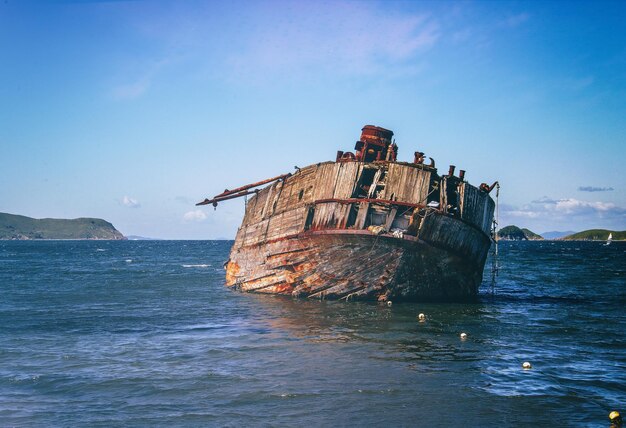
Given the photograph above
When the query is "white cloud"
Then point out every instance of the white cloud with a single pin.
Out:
(523, 213)
(564, 214)
(336, 37)
(574, 206)
(564, 208)
(196, 215)
(130, 202)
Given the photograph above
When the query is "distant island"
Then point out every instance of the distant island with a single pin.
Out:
(514, 233)
(19, 227)
(596, 235)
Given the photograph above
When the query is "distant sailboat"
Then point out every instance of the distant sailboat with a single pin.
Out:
(609, 240)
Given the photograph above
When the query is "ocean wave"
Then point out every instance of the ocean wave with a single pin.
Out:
(196, 266)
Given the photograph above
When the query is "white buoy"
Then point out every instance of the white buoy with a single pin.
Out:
(463, 336)
(389, 303)
(421, 317)
(526, 365)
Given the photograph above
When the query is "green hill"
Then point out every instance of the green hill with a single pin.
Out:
(514, 233)
(532, 235)
(596, 235)
(22, 227)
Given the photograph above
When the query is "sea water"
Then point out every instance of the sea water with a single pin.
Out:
(144, 333)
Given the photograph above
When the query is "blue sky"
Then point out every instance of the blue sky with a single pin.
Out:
(134, 111)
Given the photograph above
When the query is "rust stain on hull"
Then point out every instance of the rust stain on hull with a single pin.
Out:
(232, 271)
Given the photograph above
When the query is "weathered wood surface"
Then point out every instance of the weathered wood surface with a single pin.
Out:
(331, 215)
(277, 250)
(298, 190)
(455, 236)
(361, 217)
(353, 266)
(406, 184)
(476, 207)
(336, 180)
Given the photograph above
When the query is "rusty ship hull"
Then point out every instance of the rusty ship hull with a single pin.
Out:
(365, 227)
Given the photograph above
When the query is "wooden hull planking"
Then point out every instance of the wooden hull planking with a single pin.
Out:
(353, 266)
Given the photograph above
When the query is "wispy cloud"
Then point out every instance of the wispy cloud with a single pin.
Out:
(337, 37)
(513, 21)
(462, 36)
(140, 84)
(595, 189)
(128, 91)
(185, 200)
(269, 40)
(196, 215)
(129, 202)
(576, 207)
(580, 83)
(515, 212)
(544, 200)
(564, 208)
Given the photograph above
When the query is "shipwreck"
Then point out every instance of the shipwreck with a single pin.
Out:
(364, 227)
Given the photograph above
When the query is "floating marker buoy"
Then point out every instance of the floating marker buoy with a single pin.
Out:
(463, 336)
(389, 303)
(421, 317)
(615, 418)
(526, 365)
